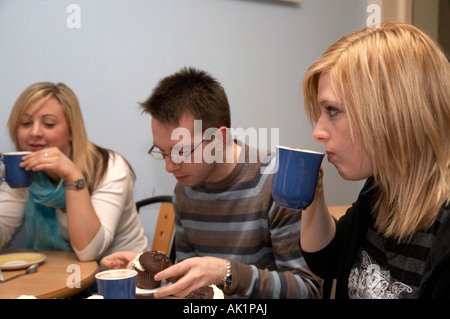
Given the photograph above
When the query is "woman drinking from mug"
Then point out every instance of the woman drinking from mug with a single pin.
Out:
(81, 197)
(380, 100)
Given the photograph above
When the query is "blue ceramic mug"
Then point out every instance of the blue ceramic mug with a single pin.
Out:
(295, 180)
(15, 176)
(117, 284)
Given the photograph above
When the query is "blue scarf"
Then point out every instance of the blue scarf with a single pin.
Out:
(40, 218)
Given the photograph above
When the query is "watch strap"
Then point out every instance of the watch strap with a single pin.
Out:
(226, 280)
(77, 185)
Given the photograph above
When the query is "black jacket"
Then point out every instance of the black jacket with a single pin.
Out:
(336, 259)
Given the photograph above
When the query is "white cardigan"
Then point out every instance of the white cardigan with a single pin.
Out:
(113, 201)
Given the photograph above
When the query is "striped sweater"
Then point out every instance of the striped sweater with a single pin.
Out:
(237, 219)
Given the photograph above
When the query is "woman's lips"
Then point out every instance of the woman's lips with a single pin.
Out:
(330, 156)
(35, 147)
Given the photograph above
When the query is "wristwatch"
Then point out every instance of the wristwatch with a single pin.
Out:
(77, 185)
(226, 280)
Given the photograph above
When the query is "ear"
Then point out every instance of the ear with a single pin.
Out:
(226, 135)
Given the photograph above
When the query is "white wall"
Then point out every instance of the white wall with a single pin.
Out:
(259, 50)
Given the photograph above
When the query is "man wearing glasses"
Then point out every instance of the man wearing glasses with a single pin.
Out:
(229, 232)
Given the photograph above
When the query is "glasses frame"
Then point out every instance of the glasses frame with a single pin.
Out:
(161, 155)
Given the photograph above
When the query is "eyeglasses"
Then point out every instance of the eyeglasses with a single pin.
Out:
(177, 155)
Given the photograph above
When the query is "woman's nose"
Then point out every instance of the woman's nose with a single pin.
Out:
(36, 129)
(320, 133)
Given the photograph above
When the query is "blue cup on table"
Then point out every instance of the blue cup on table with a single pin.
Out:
(295, 180)
(15, 176)
(117, 283)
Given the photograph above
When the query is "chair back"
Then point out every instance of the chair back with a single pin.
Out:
(163, 236)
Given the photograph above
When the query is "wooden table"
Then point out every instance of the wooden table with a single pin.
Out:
(61, 275)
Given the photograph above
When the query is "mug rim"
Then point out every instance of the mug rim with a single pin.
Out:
(17, 153)
(133, 273)
(300, 150)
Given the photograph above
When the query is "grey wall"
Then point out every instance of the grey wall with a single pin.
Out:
(259, 50)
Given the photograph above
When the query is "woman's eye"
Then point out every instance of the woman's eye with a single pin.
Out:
(332, 111)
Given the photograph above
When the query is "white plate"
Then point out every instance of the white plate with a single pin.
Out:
(149, 292)
(20, 260)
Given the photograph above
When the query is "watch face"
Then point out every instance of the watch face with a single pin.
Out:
(80, 184)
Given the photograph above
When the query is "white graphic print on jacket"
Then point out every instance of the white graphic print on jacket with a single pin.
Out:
(368, 280)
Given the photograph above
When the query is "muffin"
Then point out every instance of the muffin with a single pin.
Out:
(207, 292)
(148, 264)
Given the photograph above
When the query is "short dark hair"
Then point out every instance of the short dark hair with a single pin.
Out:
(189, 91)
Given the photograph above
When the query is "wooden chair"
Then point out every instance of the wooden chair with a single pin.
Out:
(163, 237)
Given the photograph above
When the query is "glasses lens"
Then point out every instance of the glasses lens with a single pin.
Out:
(155, 153)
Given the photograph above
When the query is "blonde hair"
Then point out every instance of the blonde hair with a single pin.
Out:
(85, 154)
(394, 84)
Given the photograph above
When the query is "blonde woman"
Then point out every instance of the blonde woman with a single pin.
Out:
(81, 197)
(380, 102)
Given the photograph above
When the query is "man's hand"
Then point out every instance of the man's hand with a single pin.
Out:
(191, 274)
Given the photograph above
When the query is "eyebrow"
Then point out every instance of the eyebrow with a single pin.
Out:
(42, 116)
(328, 101)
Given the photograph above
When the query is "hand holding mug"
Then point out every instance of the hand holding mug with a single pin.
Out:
(52, 160)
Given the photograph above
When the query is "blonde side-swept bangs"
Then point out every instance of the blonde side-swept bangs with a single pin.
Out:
(393, 82)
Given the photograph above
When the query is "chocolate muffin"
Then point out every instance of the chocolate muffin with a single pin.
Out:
(207, 292)
(148, 264)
